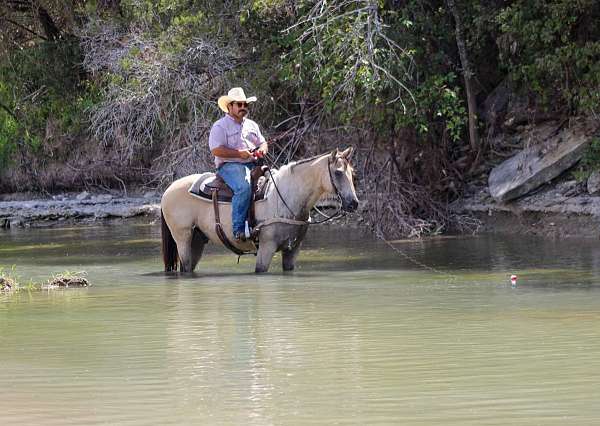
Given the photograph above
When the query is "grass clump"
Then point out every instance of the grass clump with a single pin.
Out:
(10, 281)
(68, 279)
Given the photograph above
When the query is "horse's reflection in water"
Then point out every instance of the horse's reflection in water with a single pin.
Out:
(188, 223)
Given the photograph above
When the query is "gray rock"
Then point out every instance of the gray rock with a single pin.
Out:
(593, 183)
(82, 196)
(566, 186)
(541, 162)
(102, 198)
(496, 105)
(150, 194)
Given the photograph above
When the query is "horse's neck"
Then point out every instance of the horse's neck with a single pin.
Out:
(301, 187)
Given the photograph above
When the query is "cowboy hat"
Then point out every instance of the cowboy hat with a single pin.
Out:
(234, 95)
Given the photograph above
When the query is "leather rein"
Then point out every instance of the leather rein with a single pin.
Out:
(223, 237)
(338, 213)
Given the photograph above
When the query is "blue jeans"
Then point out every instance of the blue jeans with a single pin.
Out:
(237, 177)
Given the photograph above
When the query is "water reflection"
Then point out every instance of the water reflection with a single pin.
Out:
(358, 335)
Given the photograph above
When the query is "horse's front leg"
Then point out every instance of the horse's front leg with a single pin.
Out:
(289, 254)
(288, 258)
(266, 250)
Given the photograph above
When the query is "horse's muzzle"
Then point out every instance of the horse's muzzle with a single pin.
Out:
(350, 206)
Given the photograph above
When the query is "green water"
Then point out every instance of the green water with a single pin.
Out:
(359, 334)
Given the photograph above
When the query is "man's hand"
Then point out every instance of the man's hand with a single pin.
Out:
(264, 148)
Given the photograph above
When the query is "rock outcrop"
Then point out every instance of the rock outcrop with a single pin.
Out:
(80, 209)
(549, 151)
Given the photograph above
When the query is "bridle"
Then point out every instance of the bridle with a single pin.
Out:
(337, 213)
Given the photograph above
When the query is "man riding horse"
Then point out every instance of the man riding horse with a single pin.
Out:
(233, 140)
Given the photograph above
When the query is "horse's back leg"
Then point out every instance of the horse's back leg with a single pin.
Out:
(169, 246)
(183, 238)
(199, 240)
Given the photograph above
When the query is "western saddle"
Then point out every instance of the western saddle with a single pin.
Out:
(211, 186)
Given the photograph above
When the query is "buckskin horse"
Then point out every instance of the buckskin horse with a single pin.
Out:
(282, 216)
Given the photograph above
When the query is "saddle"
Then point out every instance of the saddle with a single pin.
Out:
(211, 186)
(209, 182)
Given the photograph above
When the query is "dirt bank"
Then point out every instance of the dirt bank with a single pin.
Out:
(563, 210)
(560, 210)
(25, 210)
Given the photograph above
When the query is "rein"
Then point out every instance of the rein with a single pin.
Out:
(223, 237)
(338, 213)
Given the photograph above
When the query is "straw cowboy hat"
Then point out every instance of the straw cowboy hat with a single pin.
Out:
(234, 95)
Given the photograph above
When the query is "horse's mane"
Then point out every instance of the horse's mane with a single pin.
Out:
(304, 160)
(287, 169)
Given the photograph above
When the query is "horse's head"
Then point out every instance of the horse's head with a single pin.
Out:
(340, 173)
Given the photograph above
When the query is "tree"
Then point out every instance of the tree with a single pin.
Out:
(468, 75)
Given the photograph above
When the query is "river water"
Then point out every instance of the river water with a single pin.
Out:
(358, 334)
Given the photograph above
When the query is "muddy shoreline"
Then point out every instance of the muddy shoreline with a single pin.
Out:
(23, 210)
(564, 210)
(561, 211)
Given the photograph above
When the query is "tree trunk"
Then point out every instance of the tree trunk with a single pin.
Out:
(50, 29)
(467, 74)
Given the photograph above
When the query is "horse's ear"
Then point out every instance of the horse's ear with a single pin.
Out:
(333, 154)
(347, 153)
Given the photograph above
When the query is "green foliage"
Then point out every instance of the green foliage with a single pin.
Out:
(590, 161)
(386, 66)
(40, 83)
(382, 68)
(440, 105)
(553, 49)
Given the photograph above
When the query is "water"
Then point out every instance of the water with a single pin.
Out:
(358, 334)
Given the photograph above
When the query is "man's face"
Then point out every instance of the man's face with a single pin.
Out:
(238, 110)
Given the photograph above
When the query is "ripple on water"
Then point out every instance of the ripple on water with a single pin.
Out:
(355, 336)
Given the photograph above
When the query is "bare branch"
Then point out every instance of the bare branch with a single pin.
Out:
(154, 98)
(362, 45)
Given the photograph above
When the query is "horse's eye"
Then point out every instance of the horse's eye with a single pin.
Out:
(339, 173)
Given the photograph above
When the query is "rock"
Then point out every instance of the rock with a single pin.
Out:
(102, 198)
(67, 281)
(566, 186)
(84, 195)
(7, 284)
(495, 106)
(593, 183)
(150, 194)
(507, 110)
(541, 162)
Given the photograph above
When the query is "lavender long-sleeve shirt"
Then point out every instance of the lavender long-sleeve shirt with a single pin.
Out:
(229, 133)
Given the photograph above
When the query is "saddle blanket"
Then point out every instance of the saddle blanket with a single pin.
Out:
(202, 188)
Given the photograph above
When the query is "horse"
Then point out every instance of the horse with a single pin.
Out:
(188, 222)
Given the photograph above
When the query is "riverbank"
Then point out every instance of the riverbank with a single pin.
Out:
(561, 211)
(28, 210)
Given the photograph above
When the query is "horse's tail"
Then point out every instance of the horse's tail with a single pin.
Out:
(169, 247)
